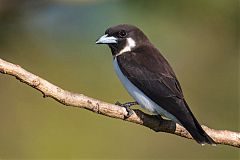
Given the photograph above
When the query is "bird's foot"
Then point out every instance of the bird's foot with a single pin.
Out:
(127, 107)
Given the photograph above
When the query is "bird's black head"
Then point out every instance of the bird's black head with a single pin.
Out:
(122, 38)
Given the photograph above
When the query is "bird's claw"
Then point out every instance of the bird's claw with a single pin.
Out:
(127, 107)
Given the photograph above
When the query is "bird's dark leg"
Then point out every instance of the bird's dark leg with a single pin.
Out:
(127, 106)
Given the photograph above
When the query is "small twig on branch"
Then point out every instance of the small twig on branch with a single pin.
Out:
(81, 101)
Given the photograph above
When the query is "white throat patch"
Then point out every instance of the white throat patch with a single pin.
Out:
(130, 44)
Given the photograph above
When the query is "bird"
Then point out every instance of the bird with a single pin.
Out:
(149, 78)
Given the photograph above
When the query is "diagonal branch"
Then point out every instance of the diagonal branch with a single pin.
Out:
(81, 101)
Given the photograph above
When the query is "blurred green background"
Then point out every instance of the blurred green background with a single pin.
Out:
(56, 40)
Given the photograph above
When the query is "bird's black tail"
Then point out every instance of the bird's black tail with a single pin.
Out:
(197, 132)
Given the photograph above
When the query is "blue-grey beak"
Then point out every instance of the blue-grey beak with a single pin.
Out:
(106, 40)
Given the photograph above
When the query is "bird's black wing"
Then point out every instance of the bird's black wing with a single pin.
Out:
(147, 69)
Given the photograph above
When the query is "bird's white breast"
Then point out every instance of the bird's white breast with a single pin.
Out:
(139, 96)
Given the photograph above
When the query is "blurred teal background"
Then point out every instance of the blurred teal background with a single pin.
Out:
(56, 40)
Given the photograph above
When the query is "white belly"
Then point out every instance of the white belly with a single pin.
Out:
(139, 96)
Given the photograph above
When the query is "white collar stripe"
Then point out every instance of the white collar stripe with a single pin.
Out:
(130, 44)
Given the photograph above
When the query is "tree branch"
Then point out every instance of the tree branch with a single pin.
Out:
(81, 101)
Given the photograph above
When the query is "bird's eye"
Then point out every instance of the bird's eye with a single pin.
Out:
(122, 33)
